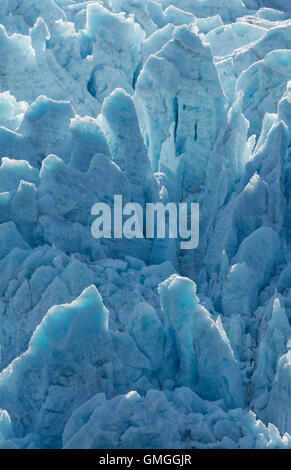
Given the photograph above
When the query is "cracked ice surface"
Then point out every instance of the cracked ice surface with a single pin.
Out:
(122, 343)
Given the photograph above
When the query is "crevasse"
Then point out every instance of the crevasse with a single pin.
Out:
(117, 343)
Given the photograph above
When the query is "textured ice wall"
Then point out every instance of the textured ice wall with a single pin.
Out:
(134, 343)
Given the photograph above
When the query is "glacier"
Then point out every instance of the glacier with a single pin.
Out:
(118, 343)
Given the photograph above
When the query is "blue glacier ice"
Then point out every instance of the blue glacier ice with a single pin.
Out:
(119, 343)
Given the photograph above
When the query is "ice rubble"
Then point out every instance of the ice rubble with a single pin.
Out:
(106, 343)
